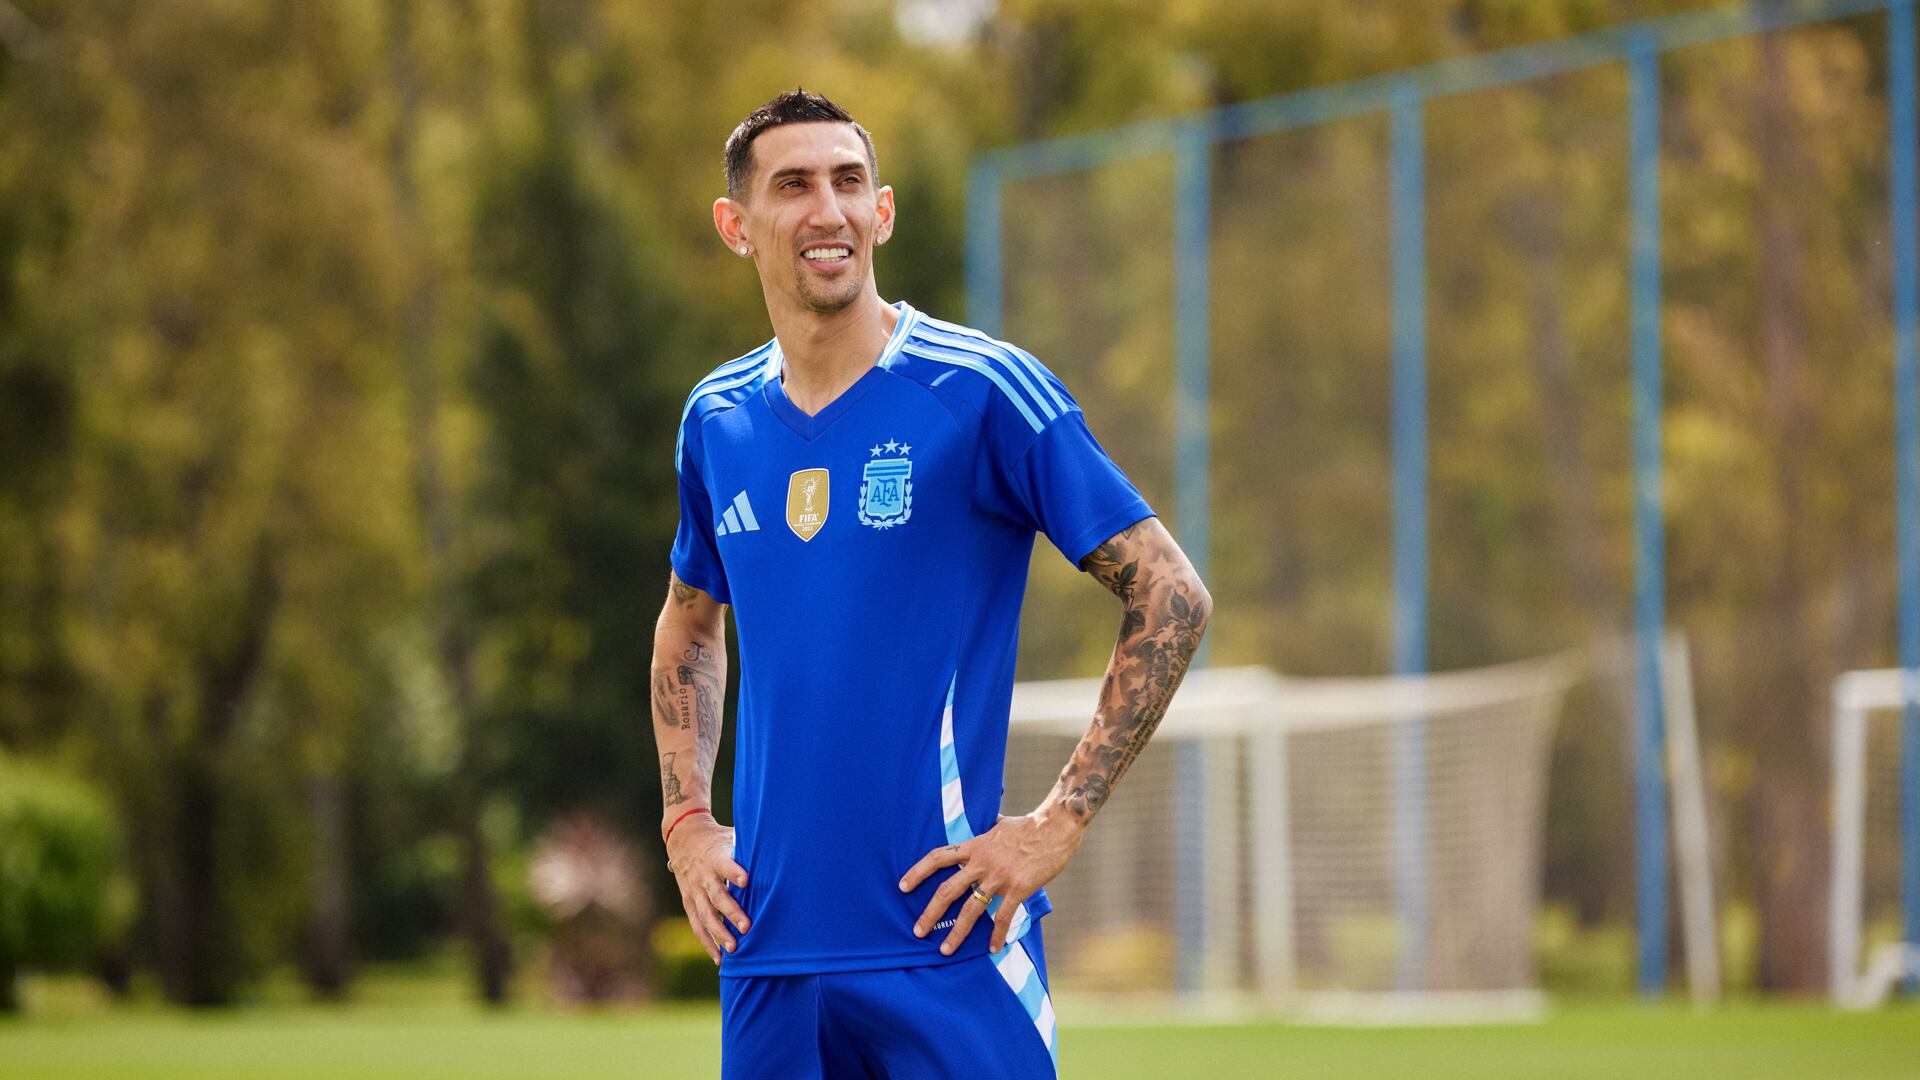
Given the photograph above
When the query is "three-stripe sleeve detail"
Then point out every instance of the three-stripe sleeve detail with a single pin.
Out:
(1012, 354)
(997, 356)
(940, 354)
(755, 366)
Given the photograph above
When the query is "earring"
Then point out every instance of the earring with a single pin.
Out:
(743, 249)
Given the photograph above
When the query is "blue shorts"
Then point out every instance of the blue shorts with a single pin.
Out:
(988, 1018)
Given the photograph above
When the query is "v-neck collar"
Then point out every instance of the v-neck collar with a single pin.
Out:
(810, 427)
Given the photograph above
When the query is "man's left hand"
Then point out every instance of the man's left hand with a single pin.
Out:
(1011, 861)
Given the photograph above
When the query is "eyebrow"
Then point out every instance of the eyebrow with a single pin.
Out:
(802, 171)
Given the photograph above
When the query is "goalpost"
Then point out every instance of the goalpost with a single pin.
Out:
(1331, 886)
(1874, 916)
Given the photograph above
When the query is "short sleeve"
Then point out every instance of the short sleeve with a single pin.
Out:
(1069, 489)
(696, 551)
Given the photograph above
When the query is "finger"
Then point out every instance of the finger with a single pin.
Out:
(730, 908)
(951, 855)
(700, 935)
(970, 913)
(715, 924)
(733, 872)
(1003, 922)
(943, 897)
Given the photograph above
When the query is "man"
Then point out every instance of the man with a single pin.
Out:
(864, 491)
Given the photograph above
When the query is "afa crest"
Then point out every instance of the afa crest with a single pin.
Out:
(886, 487)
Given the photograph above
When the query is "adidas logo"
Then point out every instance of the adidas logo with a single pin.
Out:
(738, 518)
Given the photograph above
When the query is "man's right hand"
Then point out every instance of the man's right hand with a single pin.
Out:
(701, 854)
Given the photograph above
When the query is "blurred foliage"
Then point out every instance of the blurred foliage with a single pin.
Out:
(59, 849)
(342, 346)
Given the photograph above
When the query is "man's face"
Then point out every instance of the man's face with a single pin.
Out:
(814, 212)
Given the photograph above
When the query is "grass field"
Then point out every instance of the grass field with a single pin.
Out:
(378, 1042)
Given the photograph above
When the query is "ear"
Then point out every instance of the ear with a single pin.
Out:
(731, 223)
(883, 211)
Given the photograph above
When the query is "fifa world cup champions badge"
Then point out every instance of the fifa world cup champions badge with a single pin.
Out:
(807, 502)
(886, 487)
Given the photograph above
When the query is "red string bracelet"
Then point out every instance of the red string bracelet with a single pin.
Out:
(681, 818)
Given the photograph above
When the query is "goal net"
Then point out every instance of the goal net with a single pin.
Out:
(1315, 842)
(1871, 852)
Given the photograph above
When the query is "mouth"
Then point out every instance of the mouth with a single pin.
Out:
(827, 256)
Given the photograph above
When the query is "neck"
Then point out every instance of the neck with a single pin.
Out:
(826, 353)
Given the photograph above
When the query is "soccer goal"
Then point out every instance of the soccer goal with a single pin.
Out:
(1356, 849)
(1874, 928)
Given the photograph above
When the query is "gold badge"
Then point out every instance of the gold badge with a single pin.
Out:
(807, 502)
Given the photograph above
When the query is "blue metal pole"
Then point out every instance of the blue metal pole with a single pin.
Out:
(1408, 191)
(1650, 807)
(1906, 414)
(1192, 496)
(984, 287)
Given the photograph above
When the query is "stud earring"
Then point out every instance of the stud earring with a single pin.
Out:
(743, 249)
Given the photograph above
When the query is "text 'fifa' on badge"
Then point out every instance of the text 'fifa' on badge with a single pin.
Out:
(807, 502)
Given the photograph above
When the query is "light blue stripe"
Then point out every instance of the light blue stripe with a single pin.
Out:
(746, 512)
(959, 831)
(733, 367)
(1015, 358)
(901, 330)
(1040, 376)
(1020, 931)
(722, 387)
(733, 523)
(1024, 357)
(1031, 994)
(937, 355)
(729, 374)
(715, 384)
(987, 349)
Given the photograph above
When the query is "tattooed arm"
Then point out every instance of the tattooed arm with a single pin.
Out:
(1165, 609)
(1166, 612)
(689, 680)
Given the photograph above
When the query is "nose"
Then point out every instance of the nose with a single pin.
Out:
(823, 211)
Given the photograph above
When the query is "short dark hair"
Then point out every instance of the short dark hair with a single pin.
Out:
(797, 106)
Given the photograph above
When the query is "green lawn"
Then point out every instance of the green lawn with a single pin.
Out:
(423, 1043)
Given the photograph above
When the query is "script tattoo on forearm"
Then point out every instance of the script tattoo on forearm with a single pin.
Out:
(1166, 613)
(697, 692)
(692, 696)
(689, 679)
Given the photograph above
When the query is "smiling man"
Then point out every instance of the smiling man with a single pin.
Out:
(864, 490)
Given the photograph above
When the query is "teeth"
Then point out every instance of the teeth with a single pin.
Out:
(827, 253)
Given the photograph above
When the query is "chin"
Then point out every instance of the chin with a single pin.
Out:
(827, 303)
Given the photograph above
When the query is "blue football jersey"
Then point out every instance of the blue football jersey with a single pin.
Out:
(875, 555)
